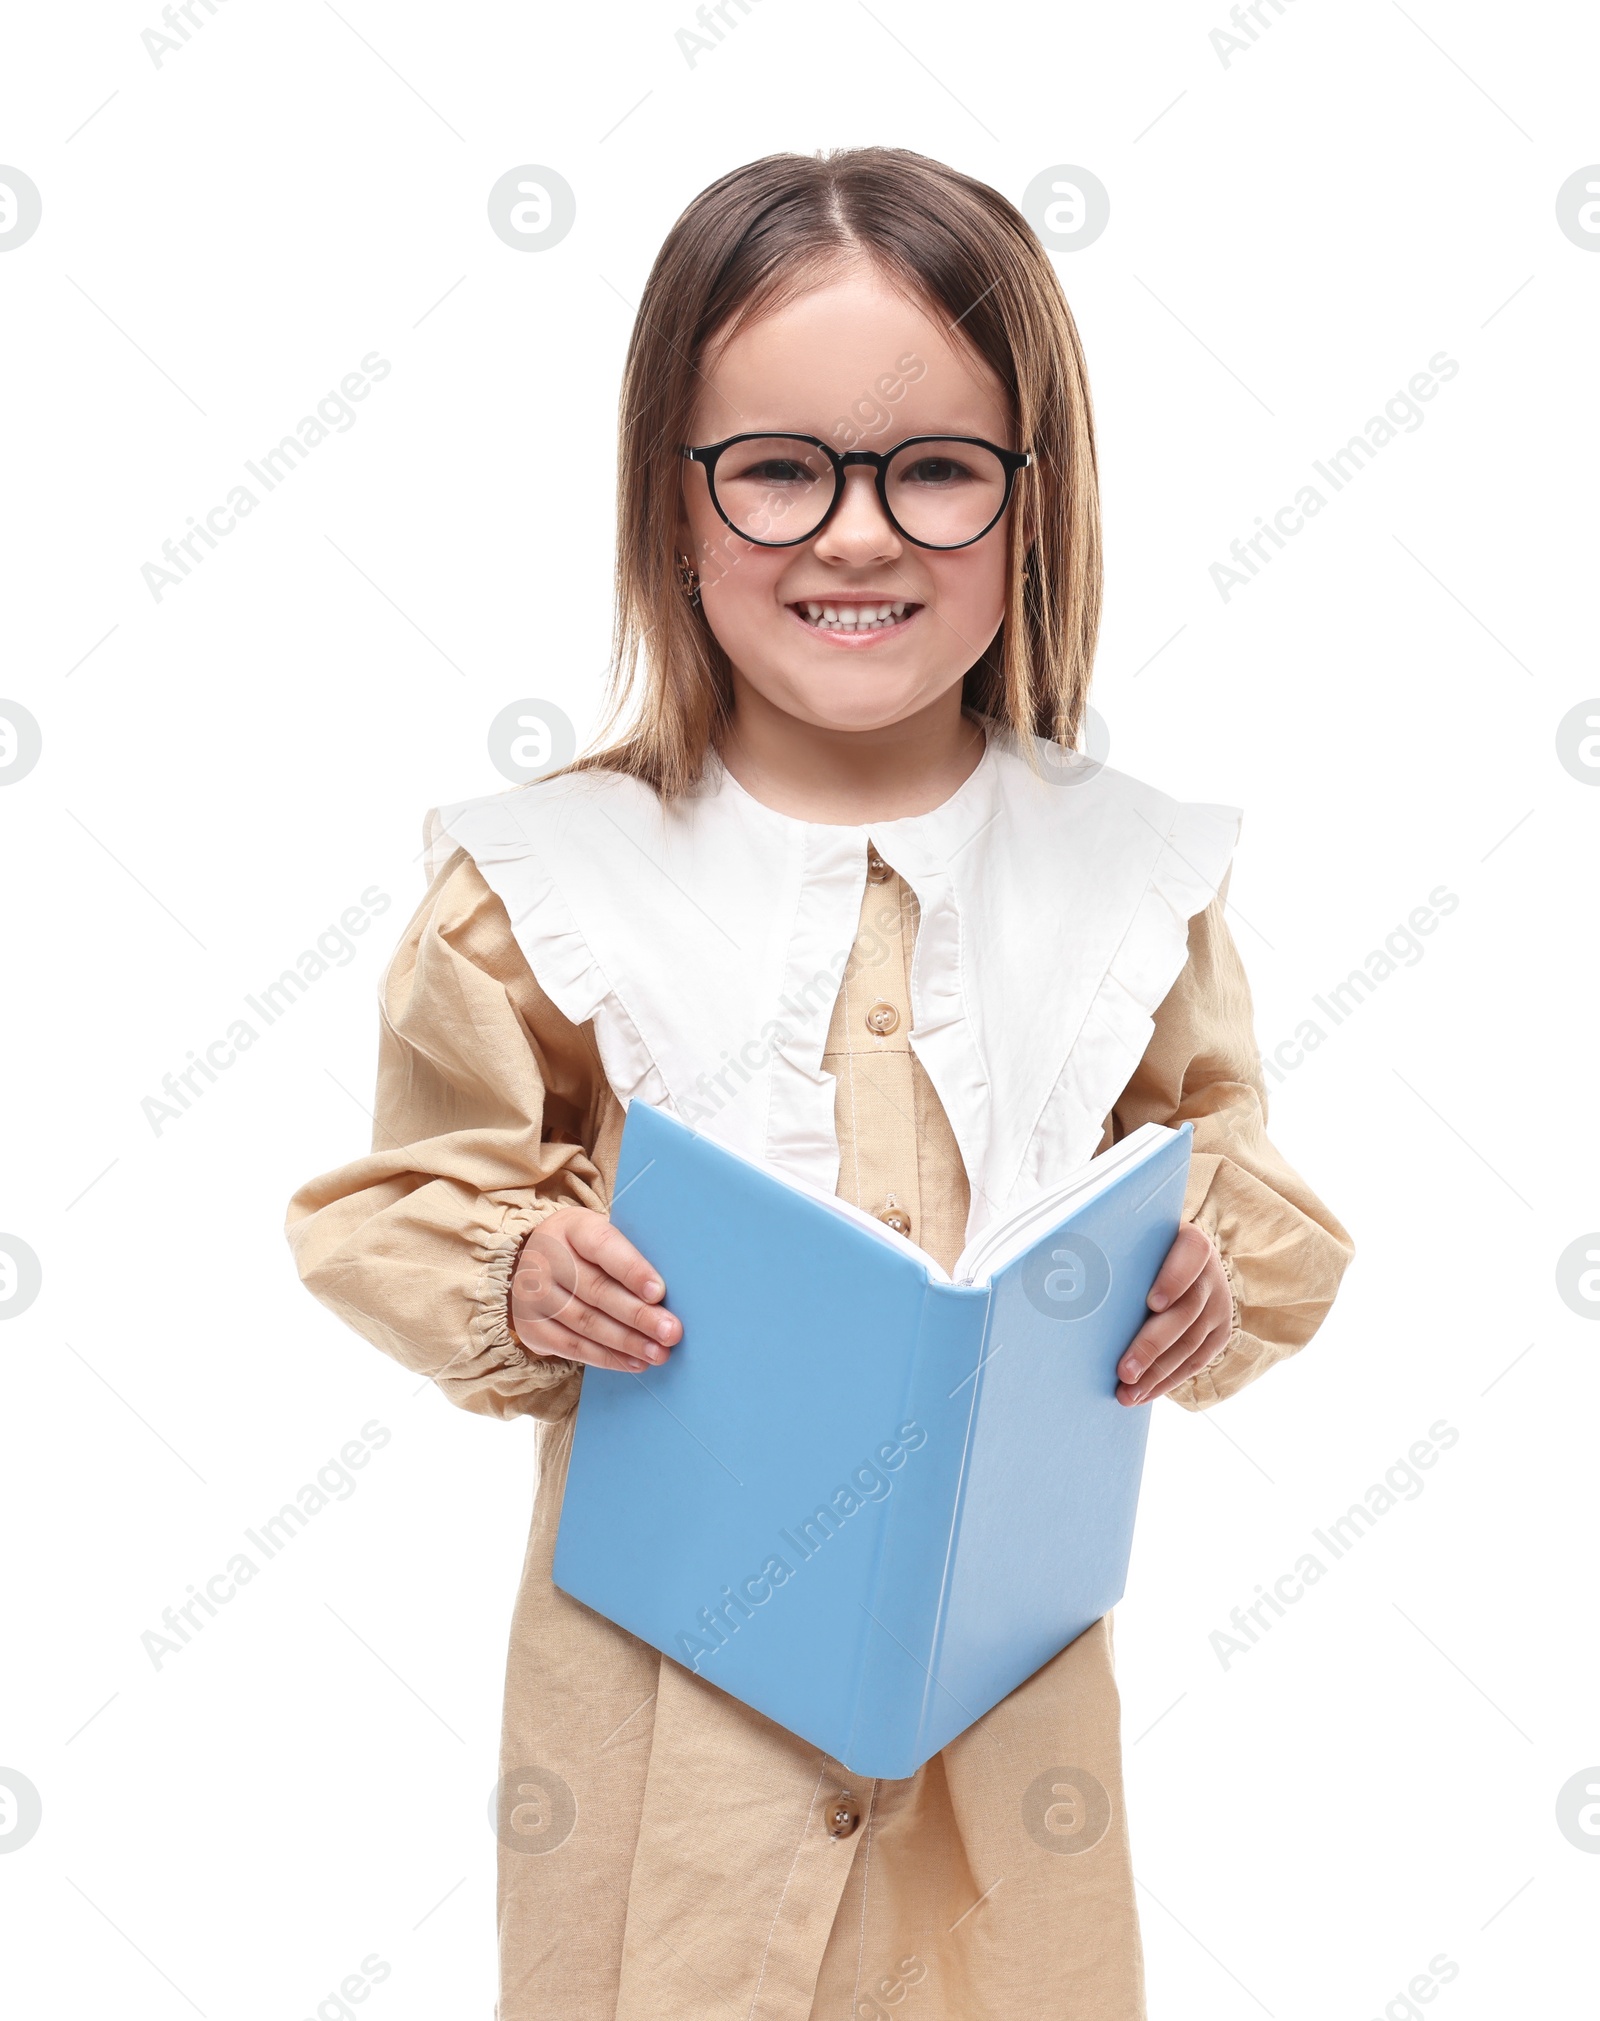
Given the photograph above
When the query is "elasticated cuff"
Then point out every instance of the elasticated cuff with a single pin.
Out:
(497, 1372)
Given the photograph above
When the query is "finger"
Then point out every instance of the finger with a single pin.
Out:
(592, 1324)
(1190, 1366)
(1176, 1351)
(1139, 1367)
(598, 1242)
(1190, 1253)
(1165, 1366)
(1200, 1345)
(596, 1287)
(551, 1337)
(1162, 1331)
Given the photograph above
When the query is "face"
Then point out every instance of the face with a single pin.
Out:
(855, 628)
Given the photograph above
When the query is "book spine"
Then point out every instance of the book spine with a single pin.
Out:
(896, 1684)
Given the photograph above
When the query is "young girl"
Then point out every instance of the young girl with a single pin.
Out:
(845, 897)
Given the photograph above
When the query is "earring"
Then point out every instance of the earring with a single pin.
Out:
(689, 581)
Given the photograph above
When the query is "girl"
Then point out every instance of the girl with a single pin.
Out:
(844, 896)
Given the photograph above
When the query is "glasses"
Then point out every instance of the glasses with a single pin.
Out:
(935, 490)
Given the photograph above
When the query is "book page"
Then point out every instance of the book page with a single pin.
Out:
(1004, 1240)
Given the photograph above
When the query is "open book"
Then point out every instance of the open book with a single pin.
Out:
(866, 1497)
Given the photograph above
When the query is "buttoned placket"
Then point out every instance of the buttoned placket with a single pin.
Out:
(875, 1001)
(824, 1859)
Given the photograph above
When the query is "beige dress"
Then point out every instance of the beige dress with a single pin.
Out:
(668, 1854)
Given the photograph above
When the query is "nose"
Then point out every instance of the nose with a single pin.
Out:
(859, 532)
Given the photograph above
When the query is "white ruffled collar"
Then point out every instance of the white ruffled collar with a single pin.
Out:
(706, 939)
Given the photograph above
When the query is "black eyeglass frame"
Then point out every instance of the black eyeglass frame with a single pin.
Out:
(1011, 460)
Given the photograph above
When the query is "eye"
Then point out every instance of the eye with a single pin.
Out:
(777, 470)
(938, 471)
(771, 471)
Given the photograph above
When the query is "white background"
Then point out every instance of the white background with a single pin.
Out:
(1293, 234)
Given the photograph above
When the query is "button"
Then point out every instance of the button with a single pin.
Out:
(878, 872)
(843, 1816)
(883, 1018)
(895, 1216)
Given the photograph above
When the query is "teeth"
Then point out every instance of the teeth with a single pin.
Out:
(854, 617)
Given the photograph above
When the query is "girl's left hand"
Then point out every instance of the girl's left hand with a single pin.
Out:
(1193, 1318)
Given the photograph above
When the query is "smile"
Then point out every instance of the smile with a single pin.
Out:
(850, 622)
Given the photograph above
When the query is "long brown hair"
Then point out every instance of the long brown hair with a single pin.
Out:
(758, 238)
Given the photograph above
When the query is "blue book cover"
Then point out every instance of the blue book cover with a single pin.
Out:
(866, 1497)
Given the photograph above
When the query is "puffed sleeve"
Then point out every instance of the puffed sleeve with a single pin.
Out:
(488, 1109)
(1284, 1252)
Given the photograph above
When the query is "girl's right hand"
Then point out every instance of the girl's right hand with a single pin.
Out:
(580, 1289)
